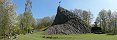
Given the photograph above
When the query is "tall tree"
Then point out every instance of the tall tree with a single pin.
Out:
(3, 20)
(8, 17)
(114, 22)
(109, 17)
(86, 16)
(27, 19)
(103, 17)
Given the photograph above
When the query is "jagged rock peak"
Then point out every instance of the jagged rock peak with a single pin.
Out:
(66, 22)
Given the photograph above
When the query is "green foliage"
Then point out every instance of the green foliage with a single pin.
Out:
(103, 18)
(45, 22)
(107, 21)
(8, 21)
(26, 20)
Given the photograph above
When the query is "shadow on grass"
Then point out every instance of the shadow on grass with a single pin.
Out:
(52, 37)
(111, 34)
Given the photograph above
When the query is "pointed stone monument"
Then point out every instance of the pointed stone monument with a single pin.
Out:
(66, 22)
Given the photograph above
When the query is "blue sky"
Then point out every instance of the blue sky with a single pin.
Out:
(43, 8)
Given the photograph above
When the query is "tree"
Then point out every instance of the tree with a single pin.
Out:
(105, 20)
(109, 17)
(45, 22)
(114, 22)
(86, 16)
(8, 17)
(26, 19)
(103, 17)
(3, 21)
(77, 12)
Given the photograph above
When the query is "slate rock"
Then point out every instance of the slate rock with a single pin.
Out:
(66, 22)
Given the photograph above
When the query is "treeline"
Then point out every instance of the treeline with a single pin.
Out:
(12, 24)
(106, 19)
(44, 22)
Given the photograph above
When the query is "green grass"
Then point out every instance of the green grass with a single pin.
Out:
(39, 36)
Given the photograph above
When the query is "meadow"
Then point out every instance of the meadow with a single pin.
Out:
(40, 36)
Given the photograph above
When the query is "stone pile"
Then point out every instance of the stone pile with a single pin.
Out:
(66, 22)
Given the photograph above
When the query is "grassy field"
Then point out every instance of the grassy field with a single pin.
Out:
(39, 36)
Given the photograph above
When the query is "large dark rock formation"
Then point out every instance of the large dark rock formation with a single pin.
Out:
(66, 23)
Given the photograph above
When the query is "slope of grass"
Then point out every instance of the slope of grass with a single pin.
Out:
(39, 36)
